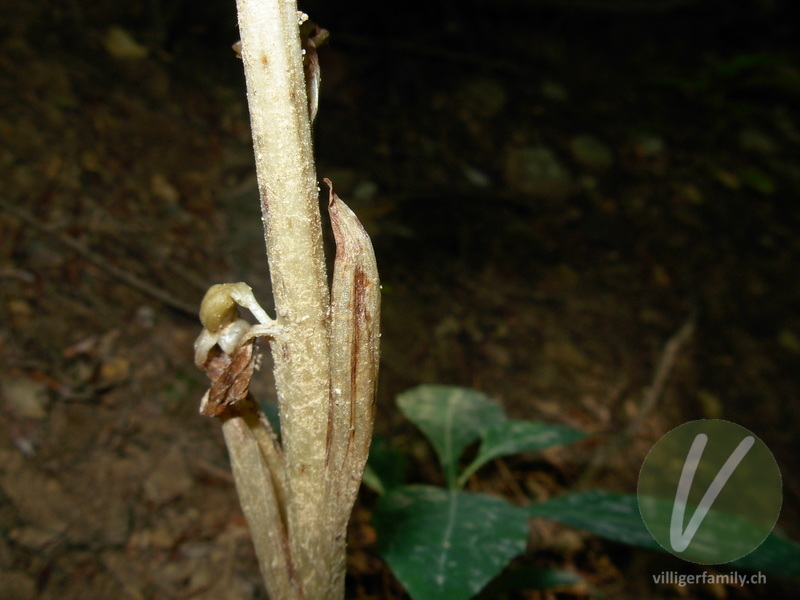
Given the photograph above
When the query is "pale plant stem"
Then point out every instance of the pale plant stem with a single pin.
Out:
(287, 181)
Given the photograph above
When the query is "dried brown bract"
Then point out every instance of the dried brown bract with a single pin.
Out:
(230, 378)
(355, 354)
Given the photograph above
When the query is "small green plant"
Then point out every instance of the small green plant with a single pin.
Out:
(445, 543)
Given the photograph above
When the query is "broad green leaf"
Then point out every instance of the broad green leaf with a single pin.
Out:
(612, 516)
(616, 517)
(721, 537)
(444, 544)
(386, 468)
(451, 418)
(513, 437)
(776, 555)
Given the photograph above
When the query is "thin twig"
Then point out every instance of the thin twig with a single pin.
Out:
(649, 401)
(124, 276)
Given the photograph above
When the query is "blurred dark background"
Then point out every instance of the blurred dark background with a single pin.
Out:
(553, 187)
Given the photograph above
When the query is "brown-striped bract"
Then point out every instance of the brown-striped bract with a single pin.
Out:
(355, 353)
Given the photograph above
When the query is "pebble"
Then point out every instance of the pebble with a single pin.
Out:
(649, 146)
(121, 45)
(537, 172)
(25, 397)
(591, 153)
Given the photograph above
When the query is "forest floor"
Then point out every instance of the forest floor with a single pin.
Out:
(552, 196)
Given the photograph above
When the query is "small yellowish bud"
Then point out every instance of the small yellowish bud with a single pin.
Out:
(218, 308)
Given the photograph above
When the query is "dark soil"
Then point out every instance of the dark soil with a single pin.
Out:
(556, 292)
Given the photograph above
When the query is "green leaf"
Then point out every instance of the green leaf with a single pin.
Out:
(612, 516)
(386, 467)
(444, 544)
(616, 517)
(513, 437)
(776, 555)
(720, 537)
(451, 418)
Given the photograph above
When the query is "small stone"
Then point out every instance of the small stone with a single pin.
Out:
(364, 191)
(536, 171)
(476, 177)
(649, 146)
(120, 44)
(25, 397)
(591, 153)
